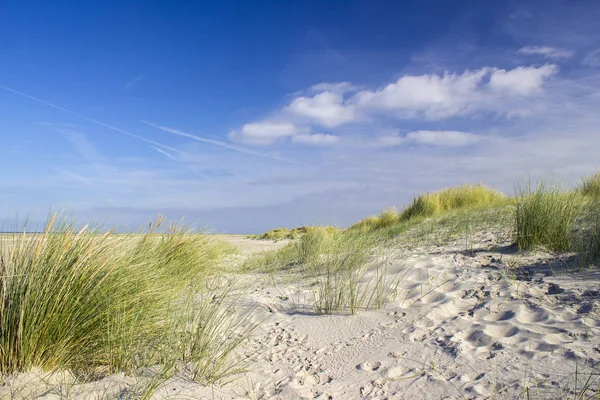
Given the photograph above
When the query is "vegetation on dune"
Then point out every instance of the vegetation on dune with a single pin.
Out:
(546, 217)
(385, 219)
(343, 266)
(591, 186)
(284, 233)
(97, 302)
(454, 198)
(463, 197)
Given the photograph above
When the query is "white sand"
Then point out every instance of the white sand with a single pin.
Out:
(457, 329)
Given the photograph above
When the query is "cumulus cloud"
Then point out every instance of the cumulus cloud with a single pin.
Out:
(429, 96)
(431, 138)
(326, 108)
(546, 51)
(521, 80)
(264, 133)
(448, 95)
(434, 95)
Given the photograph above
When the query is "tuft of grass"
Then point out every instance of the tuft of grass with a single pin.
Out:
(454, 198)
(95, 303)
(591, 186)
(208, 335)
(385, 219)
(301, 252)
(545, 217)
(346, 268)
(588, 239)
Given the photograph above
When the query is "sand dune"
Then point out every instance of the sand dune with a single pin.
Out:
(462, 326)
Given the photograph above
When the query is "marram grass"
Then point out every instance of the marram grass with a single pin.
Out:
(546, 217)
(465, 197)
(454, 198)
(74, 298)
(591, 186)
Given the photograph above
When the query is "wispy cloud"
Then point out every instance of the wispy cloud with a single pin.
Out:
(431, 138)
(95, 121)
(592, 59)
(546, 51)
(214, 142)
(134, 81)
(315, 139)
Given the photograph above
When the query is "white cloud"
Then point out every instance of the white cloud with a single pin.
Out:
(432, 138)
(326, 108)
(592, 59)
(336, 87)
(315, 139)
(546, 51)
(443, 138)
(431, 96)
(521, 80)
(448, 95)
(264, 133)
(435, 96)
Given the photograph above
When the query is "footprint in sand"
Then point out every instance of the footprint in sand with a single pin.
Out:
(500, 316)
(396, 372)
(478, 338)
(369, 366)
(502, 331)
(532, 316)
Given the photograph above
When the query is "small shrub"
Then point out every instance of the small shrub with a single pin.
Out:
(546, 217)
(460, 197)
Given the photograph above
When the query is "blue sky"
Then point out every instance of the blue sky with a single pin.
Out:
(245, 116)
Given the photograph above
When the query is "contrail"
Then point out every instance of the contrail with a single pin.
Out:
(172, 157)
(215, 142)
(166, 154)
(95, 121)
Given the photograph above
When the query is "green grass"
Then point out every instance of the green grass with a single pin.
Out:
(454, 198)
(284, 233)
(98, 303)
(591, 186)
(345, 268)
(546, 217)
(588, 238)
(465, 197)
(385, 219)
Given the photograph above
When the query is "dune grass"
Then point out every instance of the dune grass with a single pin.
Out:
(385, 219)
(545, 216)
(97, 303)
(591, 186)
(284, 233)
(465, 197)
(346, 268)
(454, 198)
(588, 238)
